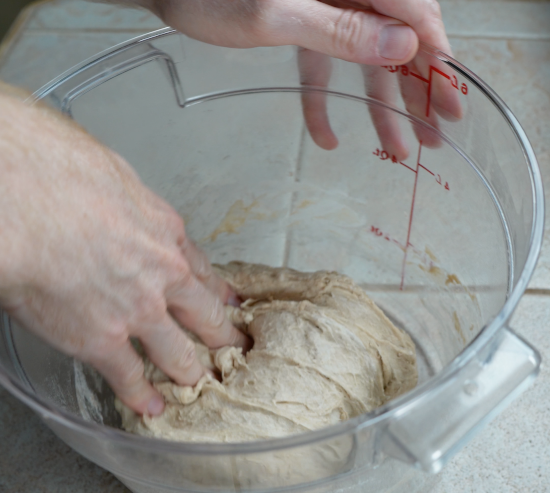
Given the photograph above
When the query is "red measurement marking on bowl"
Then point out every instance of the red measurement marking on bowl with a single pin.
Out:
(385, 156)
(406, 72)
(424, 257)
(378, 232)
(408, 242)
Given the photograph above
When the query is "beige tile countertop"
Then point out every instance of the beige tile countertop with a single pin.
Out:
(507, 43)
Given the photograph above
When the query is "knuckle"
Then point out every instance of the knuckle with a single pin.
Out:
(216, 315)
(257, 21)
(176, 224)
(110, 341)
(167, 223)
(433, 8)
(131, 372)
(124, 373)
(154, 306)
(148, 306)
(185, 275)
(186, 354)
(349, 33)
(173, 229)
(202, 267)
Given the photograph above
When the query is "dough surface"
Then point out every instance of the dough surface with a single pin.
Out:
(323, 353)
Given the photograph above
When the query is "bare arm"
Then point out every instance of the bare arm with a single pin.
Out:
(89, 257)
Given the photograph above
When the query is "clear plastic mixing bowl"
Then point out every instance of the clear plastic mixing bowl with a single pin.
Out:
(432, 202)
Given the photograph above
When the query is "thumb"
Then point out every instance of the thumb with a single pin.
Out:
(354, 35)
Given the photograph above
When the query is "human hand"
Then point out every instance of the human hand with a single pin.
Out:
(89, 257)
(360, 31)
(372, 33)
(421, 93)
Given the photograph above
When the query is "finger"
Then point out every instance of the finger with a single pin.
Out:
(424, 16)
(315, 70)
(441, 85)
(123, 371)
(172, 351)
(200, 311)
(381, 86)
(353, 35)
(202, 269)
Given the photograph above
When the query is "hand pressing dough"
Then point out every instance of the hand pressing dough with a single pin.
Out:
(323, 353)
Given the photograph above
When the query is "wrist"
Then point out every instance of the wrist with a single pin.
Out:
(18, 135)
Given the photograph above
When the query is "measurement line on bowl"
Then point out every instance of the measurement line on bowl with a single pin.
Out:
(407, 243)
(428, 103)
(424, 257)
(405, 71)
(384, 155)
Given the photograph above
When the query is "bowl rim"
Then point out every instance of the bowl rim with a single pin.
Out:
(386, 412)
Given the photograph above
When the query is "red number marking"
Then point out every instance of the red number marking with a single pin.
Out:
(376, 231)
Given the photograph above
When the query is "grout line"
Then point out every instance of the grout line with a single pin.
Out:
(297, 171)
(538, 291)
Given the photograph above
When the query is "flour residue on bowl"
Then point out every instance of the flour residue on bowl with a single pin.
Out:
(236, 217)
(88, 402)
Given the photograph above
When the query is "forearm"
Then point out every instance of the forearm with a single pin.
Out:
(8, 90)
(25, 135)
(12, 151)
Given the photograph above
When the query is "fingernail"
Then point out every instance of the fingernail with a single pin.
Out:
(156, 406)
(395, 42)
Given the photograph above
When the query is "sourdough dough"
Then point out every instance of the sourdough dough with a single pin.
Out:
(323, 353)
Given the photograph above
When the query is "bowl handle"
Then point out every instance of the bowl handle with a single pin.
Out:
(436, 425)
(113, 64)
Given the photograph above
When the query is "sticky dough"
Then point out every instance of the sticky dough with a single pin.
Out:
(323, 353)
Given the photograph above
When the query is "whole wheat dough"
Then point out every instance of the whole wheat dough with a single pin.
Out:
(323, 353)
